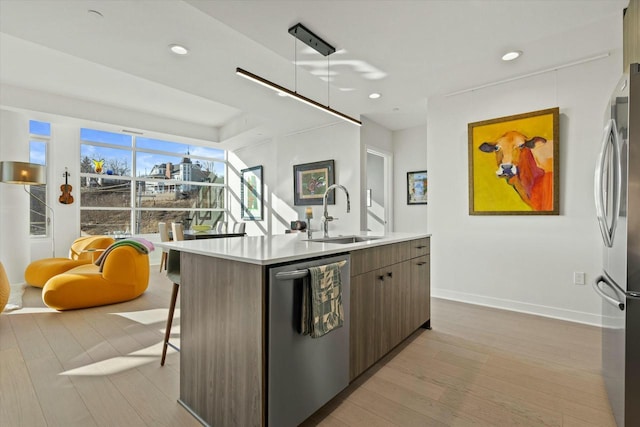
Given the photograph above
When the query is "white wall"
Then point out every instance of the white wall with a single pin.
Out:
(373, 135)
(340, 142)
(64, 152)
(524, 263)
(409, 154)
(14, 202)
(264, 154)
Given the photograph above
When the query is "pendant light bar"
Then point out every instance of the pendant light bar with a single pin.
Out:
(269, 84)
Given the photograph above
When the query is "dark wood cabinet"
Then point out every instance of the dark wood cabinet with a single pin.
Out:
(389, 299)
(221, 340)
(420, 293)
(395, 287)
(223, 371)
(366, 344)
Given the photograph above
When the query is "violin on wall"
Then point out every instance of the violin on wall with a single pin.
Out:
(66, 198)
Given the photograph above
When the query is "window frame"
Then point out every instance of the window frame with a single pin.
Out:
(136, 211)
(46, 140)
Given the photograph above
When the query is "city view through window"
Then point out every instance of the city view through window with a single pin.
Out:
(130, 183)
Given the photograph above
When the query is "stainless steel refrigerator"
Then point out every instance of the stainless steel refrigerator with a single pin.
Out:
(617, 194)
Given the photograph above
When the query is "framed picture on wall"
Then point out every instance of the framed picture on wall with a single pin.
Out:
(417, 188)
(310, 182)
(251, 194)
(514, 165)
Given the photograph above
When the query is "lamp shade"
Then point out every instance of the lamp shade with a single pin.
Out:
(22, 173)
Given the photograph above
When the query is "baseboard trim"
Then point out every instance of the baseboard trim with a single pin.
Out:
(521, 307)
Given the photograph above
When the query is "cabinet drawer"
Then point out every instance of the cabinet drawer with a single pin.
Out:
(365, 260)
(420, 247)
(370, 259)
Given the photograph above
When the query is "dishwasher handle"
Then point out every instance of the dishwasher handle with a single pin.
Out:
(292, 275)
(299, 274)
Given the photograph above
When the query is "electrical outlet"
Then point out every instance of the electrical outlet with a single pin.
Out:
(578, 278)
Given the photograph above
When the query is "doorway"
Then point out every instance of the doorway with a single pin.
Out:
(378, 200)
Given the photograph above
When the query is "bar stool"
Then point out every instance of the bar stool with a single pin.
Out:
(177, 230)
(238, 227)
(221, 227)
(173, 273)
(164, 237)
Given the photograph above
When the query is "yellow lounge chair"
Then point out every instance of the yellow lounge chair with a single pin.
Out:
(38, 272)
(124, 276)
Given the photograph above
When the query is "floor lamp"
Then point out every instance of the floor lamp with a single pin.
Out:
(27, 174)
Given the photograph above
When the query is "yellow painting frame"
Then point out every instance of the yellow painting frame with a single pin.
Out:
(514, 164)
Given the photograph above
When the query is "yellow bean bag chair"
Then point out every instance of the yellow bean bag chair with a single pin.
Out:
(38, 272)
(5, 288)
(124, 276)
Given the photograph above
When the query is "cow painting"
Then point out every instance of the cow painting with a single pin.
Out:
(514, 164)
(526, 164)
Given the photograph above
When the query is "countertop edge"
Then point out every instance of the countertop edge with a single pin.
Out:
(292, 248)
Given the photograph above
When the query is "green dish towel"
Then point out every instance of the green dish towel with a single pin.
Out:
(322, 309)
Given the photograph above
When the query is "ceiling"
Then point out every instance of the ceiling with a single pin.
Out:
(406, 50)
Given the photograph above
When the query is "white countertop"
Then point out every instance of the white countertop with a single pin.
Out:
(266, 250)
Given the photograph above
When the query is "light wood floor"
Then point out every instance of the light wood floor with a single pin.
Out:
(478, 366)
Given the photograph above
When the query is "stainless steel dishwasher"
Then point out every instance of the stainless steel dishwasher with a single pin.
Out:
(303, 373)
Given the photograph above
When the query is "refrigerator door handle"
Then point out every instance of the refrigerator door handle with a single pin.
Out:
(621, 292)
(612, 301)
(617, 188)
(610, 136)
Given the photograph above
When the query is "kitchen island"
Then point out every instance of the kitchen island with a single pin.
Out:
(224, 299)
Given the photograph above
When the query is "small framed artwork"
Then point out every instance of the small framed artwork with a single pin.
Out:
(251, 194)
(514, 165)
(310, 182)
(417, 188)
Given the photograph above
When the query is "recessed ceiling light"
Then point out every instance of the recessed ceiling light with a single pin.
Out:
(178, 49)
(510, 56)
(374, 95)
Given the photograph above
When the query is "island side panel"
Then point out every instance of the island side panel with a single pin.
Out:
(222, 337)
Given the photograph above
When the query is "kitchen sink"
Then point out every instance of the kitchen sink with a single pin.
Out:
(344, 239)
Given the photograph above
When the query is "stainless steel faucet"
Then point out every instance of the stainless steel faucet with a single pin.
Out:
(325, 216)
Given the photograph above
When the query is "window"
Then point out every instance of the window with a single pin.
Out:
(129, 184)
(39, 132)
